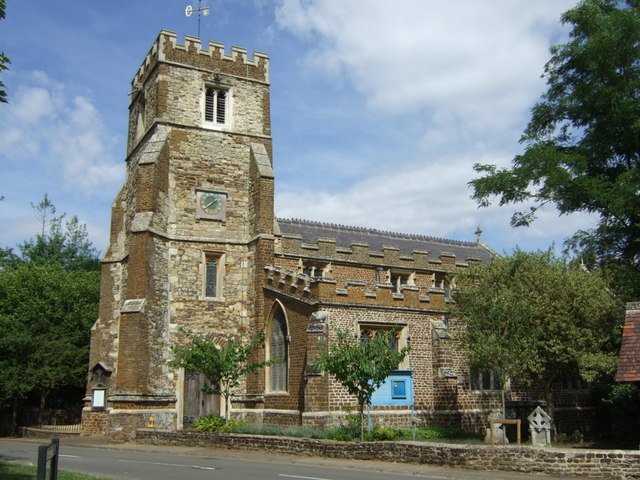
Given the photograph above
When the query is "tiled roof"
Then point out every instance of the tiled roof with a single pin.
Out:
(629, 363)
(344, 236)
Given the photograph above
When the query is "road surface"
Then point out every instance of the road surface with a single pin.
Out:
(146, 462)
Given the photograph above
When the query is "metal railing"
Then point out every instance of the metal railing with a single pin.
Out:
(77, 428)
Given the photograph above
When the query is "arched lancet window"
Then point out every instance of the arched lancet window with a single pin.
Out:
(278, 352)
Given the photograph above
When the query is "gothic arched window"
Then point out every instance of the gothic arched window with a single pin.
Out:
(278, 352)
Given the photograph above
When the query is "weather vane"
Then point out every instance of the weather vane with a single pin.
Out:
(201, 11)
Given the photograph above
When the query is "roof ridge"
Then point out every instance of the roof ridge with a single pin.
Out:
(411, 236)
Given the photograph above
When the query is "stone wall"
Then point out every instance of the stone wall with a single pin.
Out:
(584, 463)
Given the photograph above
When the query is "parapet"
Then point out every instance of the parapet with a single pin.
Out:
(212, 58)
(323, 290)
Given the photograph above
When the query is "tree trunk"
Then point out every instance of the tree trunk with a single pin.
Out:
(14, 417)
(225, 391)
(548, 394)
(361, 407)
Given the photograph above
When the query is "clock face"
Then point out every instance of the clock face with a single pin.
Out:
(211, 203)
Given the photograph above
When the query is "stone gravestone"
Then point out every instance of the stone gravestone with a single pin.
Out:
(540, 428)
(499, 434)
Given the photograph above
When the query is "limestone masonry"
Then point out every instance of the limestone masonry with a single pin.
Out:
(195, 248)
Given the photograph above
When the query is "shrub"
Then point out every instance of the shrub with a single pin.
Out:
(443, 433)
(234, 425)
(380, 433)
(304, 432)
(210, 423)
(617, 408)
(341, 434)
(349, 430)
(352, 424)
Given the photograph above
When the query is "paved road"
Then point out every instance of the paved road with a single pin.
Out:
(145, 462)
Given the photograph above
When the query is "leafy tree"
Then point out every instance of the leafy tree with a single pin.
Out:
(48, 301)
(5, 253)
(361, 366)
(583, 140)
(45, 317)
(4, 61)
(534, 318)
(222, 364)
(65, 243)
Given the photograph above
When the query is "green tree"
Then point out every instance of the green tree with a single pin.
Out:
(45, 317)
(48, 301)
(582, 144)
(5, 253)
(4, 61)
(65, 243)
(361, 366)
(222, 363)
(534, 318)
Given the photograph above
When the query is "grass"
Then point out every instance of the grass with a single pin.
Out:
(16, 471)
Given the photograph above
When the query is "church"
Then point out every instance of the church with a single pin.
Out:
(195, 248)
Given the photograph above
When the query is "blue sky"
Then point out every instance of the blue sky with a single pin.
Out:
(379, 108)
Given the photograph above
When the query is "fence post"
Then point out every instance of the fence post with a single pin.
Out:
(46, 453)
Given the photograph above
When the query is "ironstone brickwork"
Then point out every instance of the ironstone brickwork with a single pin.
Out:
(197, 207)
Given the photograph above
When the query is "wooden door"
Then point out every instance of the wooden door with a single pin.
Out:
(197, 403)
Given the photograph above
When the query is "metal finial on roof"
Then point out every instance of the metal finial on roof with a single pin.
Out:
(478, 233)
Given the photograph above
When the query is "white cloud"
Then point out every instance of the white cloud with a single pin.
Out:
(34, 104)
(428, 198)
(84, 142)
(420, 198)
(480, 63)
(55, 130)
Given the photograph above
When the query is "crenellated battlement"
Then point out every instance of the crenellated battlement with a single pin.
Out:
(212, 58)
(326, 249)
(328, 290)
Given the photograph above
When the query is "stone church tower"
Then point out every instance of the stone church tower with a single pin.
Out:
(191, 231)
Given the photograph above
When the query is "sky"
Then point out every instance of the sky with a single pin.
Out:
(379, 108)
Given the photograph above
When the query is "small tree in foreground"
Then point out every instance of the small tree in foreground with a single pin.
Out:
(222, 365)
(361, 366)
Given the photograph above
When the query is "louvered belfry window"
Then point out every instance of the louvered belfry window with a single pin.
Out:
(278, 353)
(215, 105)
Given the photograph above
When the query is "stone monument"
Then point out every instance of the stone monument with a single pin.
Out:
(499, 433)
(540, 428)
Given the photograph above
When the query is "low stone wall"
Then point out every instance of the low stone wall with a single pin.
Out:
(592, 464)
